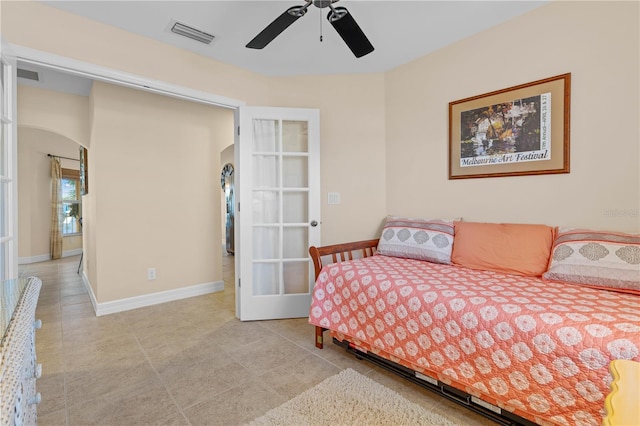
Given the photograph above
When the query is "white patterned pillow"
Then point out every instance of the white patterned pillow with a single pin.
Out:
(422, 239)
(596, 258)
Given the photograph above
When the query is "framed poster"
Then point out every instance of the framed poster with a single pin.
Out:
(521, 130)
(84, 184)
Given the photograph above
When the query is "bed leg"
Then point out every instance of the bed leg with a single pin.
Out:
(319, 341)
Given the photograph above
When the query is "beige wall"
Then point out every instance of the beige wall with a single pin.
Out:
(351, 106)
(352, 148)
(156, 163)
(49, 122)
(34, 192)
(383, 136)
(62, 113)
(352, 119)
(598, 43)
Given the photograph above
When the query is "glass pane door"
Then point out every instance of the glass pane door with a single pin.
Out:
(280, 207)
(283, 194)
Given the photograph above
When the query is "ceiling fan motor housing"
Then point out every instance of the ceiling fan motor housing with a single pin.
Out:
(323, 3)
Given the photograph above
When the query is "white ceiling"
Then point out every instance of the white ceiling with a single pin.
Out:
(400, 31)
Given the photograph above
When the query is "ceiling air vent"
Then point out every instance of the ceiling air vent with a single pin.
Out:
(192, 33)
(28, 75)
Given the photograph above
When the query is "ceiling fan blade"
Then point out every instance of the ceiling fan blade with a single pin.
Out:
(350, 32)
(274, 29)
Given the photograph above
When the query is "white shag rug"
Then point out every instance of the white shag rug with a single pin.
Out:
(349, 398)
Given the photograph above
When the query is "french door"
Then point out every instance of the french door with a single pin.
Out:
(278, 197)
(8, 167)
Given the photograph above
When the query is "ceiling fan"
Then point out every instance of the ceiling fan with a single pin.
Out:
(338, 17)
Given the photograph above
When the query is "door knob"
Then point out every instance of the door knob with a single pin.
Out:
(314, 223)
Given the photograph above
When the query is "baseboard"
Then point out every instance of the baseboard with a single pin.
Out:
(74, 252)
(136, 302)
(33, 259)
(46, 257)
(92, 296)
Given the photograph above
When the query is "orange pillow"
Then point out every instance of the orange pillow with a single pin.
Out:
(511, 248)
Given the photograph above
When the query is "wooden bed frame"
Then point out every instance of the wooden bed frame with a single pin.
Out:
(339, 253)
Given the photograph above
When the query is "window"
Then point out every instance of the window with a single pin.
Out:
(71, 203)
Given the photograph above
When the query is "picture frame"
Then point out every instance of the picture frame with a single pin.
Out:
(84, 182)
(520, 130)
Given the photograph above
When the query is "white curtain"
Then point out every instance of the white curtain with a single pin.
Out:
(265, 172)
(56, 209)
(266, 204)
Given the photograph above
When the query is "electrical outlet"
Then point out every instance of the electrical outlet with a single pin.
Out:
(151, 273)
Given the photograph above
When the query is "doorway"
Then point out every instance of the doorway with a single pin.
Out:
(35, 150)
(158, 88)
(297, 153)
(228, 203)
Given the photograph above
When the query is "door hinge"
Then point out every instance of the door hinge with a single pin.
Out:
(239, 284)
(238, 130)
(238, 206)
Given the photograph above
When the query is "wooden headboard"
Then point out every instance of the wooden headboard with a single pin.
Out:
(337, 253)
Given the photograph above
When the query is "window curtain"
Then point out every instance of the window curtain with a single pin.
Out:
(56, 209)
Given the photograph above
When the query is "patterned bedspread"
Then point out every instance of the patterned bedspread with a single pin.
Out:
(538, 349)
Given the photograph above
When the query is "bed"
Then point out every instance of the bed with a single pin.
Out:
(517, 349)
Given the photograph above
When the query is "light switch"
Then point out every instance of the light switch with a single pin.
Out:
(333, 198)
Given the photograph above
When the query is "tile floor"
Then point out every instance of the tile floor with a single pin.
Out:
(188, 362)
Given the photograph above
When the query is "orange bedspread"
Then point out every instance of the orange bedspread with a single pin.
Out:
(540, 350)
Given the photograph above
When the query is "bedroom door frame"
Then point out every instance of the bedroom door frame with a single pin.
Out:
(99, 73)
(279, 190)
(108, 75)
(9, 164)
